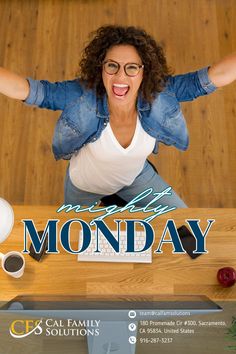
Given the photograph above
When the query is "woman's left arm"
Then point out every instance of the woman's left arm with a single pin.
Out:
(224, 72)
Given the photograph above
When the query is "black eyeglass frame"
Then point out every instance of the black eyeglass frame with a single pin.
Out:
(140, 66)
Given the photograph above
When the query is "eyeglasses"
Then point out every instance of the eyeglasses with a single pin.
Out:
(112, 67)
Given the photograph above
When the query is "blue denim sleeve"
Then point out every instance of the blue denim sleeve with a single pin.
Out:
(55, 96)
(189, 86)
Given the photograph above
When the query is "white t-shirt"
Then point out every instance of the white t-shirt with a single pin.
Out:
(105, 167)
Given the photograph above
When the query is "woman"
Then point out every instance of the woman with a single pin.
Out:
(114, 115)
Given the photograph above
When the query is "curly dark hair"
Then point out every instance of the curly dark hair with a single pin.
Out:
(156, 71)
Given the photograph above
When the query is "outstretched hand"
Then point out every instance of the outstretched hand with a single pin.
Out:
(223, 72)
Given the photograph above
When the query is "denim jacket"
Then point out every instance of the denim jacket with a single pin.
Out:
(84, 116)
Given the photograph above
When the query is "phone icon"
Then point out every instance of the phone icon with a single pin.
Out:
(132, 340)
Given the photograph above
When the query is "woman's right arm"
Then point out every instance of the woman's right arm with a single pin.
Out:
(13, 85)
(40, 93)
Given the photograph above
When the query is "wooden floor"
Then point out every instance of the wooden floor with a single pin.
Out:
(44, 39)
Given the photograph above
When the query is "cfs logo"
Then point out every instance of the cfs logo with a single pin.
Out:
(23, 328)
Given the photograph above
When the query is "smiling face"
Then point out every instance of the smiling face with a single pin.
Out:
(121, 88)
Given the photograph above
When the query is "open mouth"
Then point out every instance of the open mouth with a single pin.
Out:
(120, 89)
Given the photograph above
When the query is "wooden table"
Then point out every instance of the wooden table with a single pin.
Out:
(168, 274)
